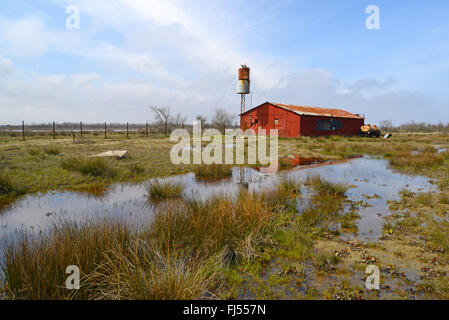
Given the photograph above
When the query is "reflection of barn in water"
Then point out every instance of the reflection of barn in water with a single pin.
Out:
(294, 121)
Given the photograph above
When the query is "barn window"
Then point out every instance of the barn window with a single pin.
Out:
(276, 121)
(329, 125)
(256, 121)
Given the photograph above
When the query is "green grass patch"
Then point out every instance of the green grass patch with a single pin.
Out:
(53, 151)
(9, 188)
(92, 167)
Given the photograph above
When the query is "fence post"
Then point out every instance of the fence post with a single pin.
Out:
(81, 129)
(127, 130)
(105, 136)
(23, 130)
(146, 129)
(54, 130)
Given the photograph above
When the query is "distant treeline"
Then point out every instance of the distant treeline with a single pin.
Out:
(385, 125)
(412, 126)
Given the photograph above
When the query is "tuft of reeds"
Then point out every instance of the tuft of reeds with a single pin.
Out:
(35, 265)
(324, 187)
(167, 190)
(289, 185)
(326, 206)
(212, 171)
(138, 271)
(209, 226)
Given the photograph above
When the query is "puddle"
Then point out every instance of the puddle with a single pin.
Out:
(369, 177)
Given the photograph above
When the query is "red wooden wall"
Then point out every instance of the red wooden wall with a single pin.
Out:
(351, 127)
(291, 124)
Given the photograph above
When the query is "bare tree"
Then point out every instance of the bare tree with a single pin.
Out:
(386, 125)
(221, 120)
(440, 127)
(180, 120)
(161, 115)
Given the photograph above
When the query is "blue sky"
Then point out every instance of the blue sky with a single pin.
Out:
(131, 54)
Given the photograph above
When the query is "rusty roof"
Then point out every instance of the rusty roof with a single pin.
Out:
(315, 111)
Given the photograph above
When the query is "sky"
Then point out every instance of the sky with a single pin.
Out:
(128, 55)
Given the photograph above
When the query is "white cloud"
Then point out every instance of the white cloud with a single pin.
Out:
(24, 37)
(128, 100)
(180, 61)
(6, 67)
(52, 79)
(84, 78)
(318, 87)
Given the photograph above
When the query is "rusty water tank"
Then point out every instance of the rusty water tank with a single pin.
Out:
(244, 73)
(243, 81)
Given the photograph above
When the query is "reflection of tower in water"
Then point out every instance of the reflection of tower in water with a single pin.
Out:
(242, 181)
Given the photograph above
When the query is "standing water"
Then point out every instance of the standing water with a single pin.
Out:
(372, 180)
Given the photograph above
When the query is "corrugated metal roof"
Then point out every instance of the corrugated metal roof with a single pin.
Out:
(315, 111)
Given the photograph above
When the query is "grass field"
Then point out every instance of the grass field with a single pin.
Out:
(254, 246)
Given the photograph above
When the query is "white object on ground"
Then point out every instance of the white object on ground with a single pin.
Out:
(119, 154)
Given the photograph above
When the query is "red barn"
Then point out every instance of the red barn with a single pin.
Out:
(295, 121)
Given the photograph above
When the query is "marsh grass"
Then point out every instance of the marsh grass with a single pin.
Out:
(325, 187)
(139, 271)
(408, 161)
(289, 185)
(157, 190)
(9, 187)
(284, 164)
(207, 226)
(35, 265)
(180, 254)
(212, 171)
(92, 167)
(325, 262)
(444, 198)
(53, 151)
(34, 152)
(326, 207)
(435, 287)
(438, 233)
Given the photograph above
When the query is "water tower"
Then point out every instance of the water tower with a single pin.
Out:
(243, 86)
